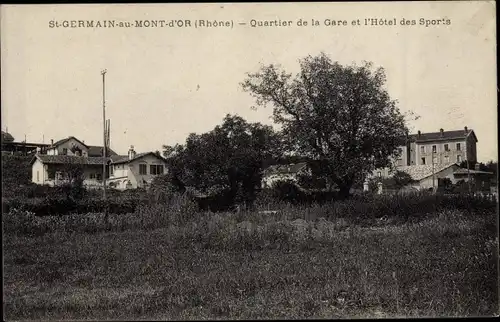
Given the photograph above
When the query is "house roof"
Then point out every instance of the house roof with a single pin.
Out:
(419, 172)
(118, 158)
(465, 171)
(278, 169)
(67, 139)
(95, 150)
(124, 158)
(7, 137)
(68, 159)
(444, 136)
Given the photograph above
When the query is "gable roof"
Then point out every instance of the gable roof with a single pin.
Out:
(445, 136)
(419, 172)
(7, 137)
(93, 150)
(116, 159)
(67, 159)
(282, 169)
(471, 171)
(96, 151)
(57, 143)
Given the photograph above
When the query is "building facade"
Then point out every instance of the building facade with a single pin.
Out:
(285, 172)
(10, 146)
(435, 148)
(73, 146)
(55, 165)
(427, 157)
(135, 170)
(54, 170)
(443, 147)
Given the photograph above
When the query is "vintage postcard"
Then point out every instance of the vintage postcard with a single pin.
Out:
(249, 160)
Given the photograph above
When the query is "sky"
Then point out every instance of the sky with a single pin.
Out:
(164, 83)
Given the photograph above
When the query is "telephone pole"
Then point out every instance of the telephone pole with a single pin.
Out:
(468, 172)
(103, 73)
(433, 175)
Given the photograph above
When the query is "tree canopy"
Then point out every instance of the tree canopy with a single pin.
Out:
(340, 116)
(228, 159)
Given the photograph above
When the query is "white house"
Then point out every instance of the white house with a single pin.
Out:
(281, 172)
(73, 146)
(429, 176)
(53, 170)
(135, 170)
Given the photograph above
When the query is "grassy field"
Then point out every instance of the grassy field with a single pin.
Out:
(249, 266)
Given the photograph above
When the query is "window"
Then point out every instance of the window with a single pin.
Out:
(143, 169)
(446, 159)
(65, 151)
(156, 169)
(435, 160)
(92, 176)
(111, 170)
(422, 149)
(99, 176)
(38, 176)
(459, 158)
(434, 149)
(423, 160)
(459, 147)
(446, 147)
(379, 174)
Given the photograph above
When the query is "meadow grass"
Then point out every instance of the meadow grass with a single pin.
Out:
(301, 262)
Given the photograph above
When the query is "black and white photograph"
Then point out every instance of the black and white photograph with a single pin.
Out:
(244, 161)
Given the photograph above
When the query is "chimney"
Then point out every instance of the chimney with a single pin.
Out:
(419, 133)
(476, 167)
(51, 141)
(442, 132)
(466, 131)
(131, 153)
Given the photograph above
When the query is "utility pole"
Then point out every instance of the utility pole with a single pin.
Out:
(433, 175)
(103, 73)
(468, 172)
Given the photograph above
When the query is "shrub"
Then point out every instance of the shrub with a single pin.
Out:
(63, 206)
(16, 170)
(182, 208)
(286, 190)
(18, 221)
(220, 201)
(22, 215)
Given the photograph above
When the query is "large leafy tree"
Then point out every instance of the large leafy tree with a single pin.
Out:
(340, 116)
(229, 159)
